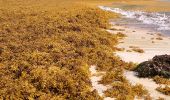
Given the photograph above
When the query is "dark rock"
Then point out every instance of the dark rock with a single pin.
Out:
(158, 65)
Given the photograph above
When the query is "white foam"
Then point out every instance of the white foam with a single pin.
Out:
(161, 20)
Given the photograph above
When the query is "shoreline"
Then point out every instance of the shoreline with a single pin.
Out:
(147, 43)
(143, 39)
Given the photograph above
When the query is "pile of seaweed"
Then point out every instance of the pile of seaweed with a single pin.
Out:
(45, 52)
(46, 48)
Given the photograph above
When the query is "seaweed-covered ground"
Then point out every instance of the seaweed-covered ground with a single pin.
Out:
(48, 46)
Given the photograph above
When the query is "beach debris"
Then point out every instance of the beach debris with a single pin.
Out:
(120, 34)
(125, 91)
(159, 34)
(133, 47)
(114, 29)
(152, 38)
(161, 80)
(153, 41)
(165, 90)
(128, 50)
(159, 38)
(151, 34)
(120, 49)
(136, 49)
(158, 65)
(121, 42)
(121, 29)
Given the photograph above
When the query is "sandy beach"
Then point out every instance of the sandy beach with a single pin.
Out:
(152, 43)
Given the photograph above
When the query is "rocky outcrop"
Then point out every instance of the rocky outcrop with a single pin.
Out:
(158, 65)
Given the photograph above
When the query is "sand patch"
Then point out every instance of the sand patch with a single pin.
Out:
(149, 84)
(95, 78)
(150, 49)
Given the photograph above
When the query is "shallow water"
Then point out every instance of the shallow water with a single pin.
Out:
(165, 0)
(157, 21)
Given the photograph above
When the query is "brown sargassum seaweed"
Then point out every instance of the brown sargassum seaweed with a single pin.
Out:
(46, 48)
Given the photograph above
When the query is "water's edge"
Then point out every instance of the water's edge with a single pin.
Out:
(159, 21)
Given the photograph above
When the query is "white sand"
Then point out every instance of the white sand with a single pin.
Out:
(95, 81)
(149, 84)
(140, 38)
(95, 78)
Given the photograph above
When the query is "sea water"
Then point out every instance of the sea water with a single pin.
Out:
(158, 21)
(165, 0)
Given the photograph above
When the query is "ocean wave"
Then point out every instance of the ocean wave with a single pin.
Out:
(161, 20)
